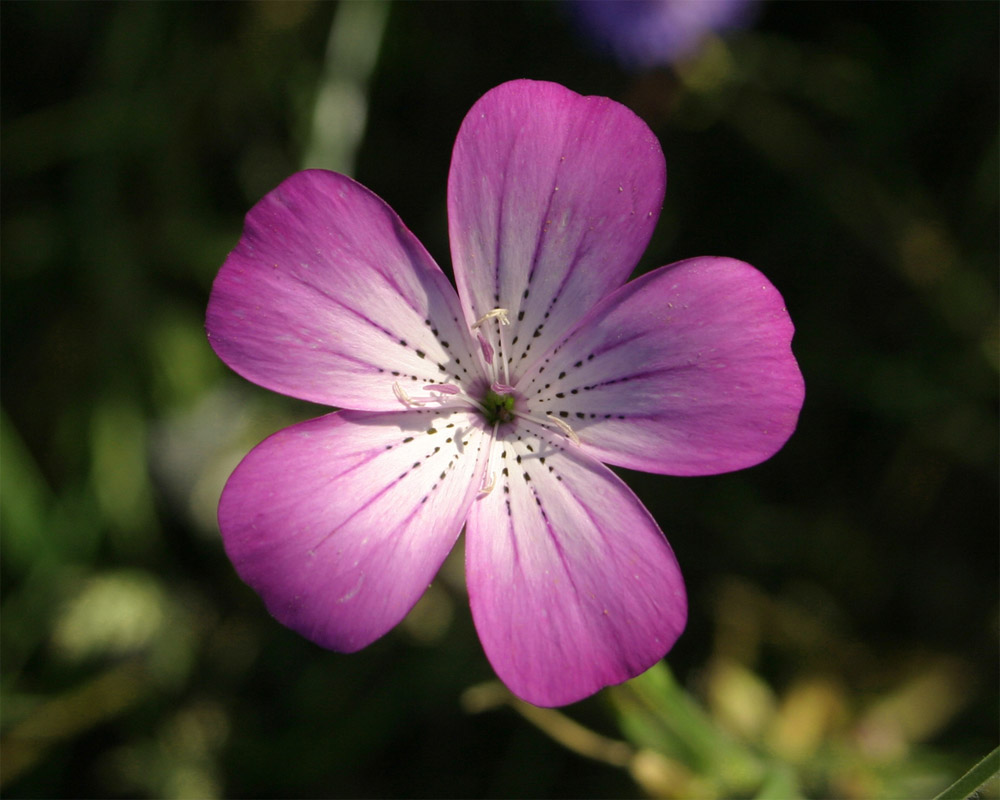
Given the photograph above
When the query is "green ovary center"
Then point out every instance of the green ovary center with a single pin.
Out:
(499, 407)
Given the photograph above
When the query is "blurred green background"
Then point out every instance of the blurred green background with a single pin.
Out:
(844, 603)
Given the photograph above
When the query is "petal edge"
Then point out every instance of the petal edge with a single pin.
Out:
(329, 298)
(552, 199)
(572, 585)
(340, 523)
(687, 370)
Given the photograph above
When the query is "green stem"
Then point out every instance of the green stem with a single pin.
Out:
(971, 781)
(341, 107)
(698, 741)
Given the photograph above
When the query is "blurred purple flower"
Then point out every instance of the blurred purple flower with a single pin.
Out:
(493, 408)
(648, 33)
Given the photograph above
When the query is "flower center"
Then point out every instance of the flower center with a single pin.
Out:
(500, 404)
(498, 407)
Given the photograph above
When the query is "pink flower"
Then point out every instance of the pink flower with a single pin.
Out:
(493, 408)
(646, 33)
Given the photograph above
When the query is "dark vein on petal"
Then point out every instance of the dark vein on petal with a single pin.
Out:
(590, 601)
(553, 537)
(510, 516)
(546, 217)
(616, 634)
(574, 262)
(563, 364)
(423, 315)
(366, 503)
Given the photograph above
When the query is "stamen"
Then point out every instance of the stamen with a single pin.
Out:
(501, 388)
(547, 421)
(448, 396)
(489, 485)
(486, 488)
(497, 313)
(565, 428)
(500, 315)
(401, 394)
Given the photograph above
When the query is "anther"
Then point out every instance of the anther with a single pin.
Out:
(446, 395)
(486, 488)
(488, 485)
(565, 428)
(500, 314)
(401, 394)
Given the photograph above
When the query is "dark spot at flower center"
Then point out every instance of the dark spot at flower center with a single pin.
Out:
(499, 407)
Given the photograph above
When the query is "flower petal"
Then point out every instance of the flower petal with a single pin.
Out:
(329, 298)
(572, 585)
(340, 523)
(687, 370)
(552, 198)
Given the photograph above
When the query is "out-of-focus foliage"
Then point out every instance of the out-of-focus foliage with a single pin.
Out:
(844, 595)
